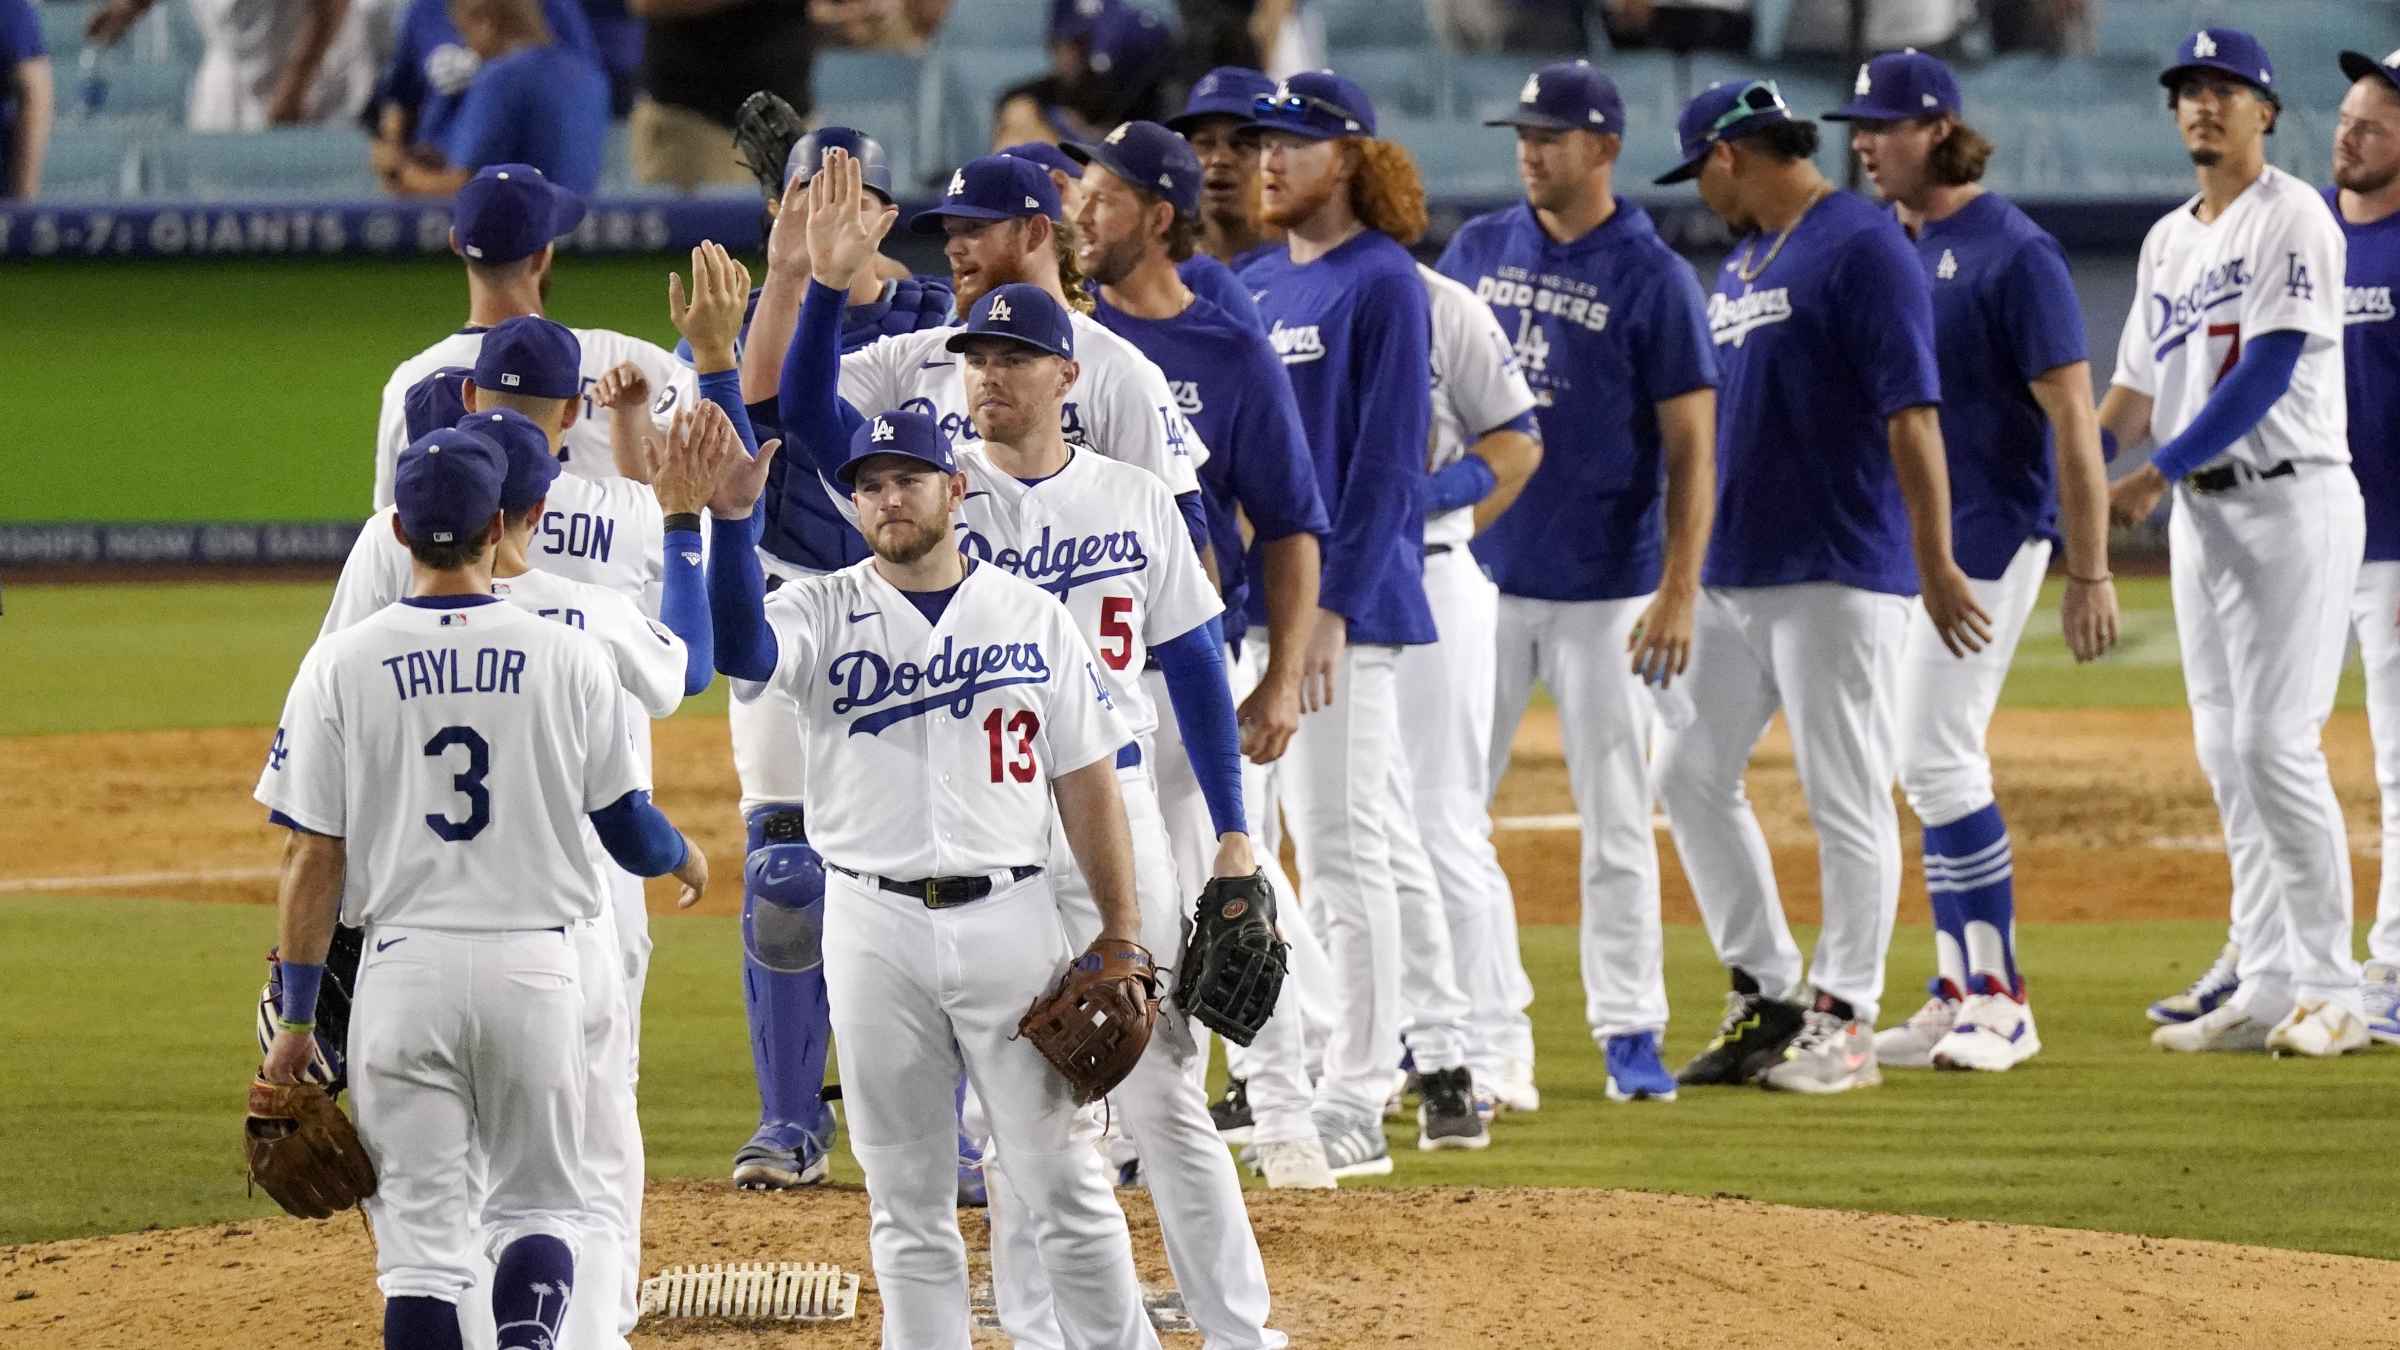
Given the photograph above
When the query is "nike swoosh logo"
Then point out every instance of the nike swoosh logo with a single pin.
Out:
(934, 365)
(869, 614)
(389, 942)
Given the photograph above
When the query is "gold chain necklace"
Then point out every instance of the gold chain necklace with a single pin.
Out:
(1741, 267)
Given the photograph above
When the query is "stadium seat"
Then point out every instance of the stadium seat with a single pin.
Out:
(289, 163)
(995, 23)
(1456, 160)
(89, 163)
(2144, 29)
(1373, 23)
(970, 84)
(1403, 80)
(142, 91)
(62, 28)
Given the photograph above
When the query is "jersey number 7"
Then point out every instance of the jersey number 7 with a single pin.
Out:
(467, 783)
(2233, 349)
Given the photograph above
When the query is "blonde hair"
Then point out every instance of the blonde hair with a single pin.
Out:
(1387, 192)
(1070, 272)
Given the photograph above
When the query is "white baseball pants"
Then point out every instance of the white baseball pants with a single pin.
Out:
(1829, 657)
(1576, 648)
(2375, 613)
(1201, 1216)
(466, 1060)
(1946, 702)
(916, 995)
(2264, 579)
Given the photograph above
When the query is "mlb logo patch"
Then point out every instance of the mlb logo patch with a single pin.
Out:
(454, 621)
(512, 381)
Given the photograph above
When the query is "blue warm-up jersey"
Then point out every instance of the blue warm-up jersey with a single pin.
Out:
(1829, 338)
(1607, 326)
(431, 65)
(544, 106)
(1229, 385)
(2371, 361)
(2004, 312)
(1355, 336)
(1214, 282)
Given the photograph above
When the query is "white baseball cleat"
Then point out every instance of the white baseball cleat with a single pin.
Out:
(1295, 1164)
(1994, 1032)
(2323, 1031)
(2226, 1028)
(1910, 1044)
(1515, 1088)
(2379, 991)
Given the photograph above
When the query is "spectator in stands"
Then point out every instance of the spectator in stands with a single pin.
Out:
(899, 25)
(427, 77)
(534, 101)
(1065, 174)
(2051, 27)
(617, 41)
(1679, 25)
(25, 100)
(1926, 25)
(700, 59)
(1108, 64)
(264, 63)
(1540, 26)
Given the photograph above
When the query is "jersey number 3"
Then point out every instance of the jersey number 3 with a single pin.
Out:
(1012, 762)
(467, 783)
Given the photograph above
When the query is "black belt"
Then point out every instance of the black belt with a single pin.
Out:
(2227, 477)
(938, 892)
(1437, 550)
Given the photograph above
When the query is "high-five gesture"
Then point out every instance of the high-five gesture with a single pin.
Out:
(711, 318)
(701, 444)
(842, 233)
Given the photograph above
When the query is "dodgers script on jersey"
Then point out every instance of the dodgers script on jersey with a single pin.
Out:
(2004, 313)
(456, 745)
(590, 451)
(1606, 327)
(1476, 387)
(1119, 405)
(1817, 351)
(2268, 263)
(931, 747)
(2371, 355)
(604, 533)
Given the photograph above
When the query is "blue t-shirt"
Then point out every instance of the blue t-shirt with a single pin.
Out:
(2004, 312)
(20, 41)
(1214, 282)
(431, 65)
(1230, 387)
(1831, 338)
(2371, 361)
(543, 106)
(1356, 336)
(1607, 327)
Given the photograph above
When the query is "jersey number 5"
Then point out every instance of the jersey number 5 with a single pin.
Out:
(1116, 633)
(467, 783)
(1022, 726)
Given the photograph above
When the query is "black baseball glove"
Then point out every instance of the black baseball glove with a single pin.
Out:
(764, 132)
(1233, 960)
(329, 1063)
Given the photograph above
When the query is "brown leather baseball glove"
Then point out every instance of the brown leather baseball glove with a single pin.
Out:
(303, 1151)
(1094, 1023)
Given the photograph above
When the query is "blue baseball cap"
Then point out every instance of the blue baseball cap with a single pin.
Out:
(1317, 104)
(532, 464)
(911, 435)
(510, 211)
(1898, 87)
(1021, 312)
(1567, 96)
(808, 155)
(1045, 154)
(447, 486)
(1127, 45)
(1151, 158)
(2358, 66)
(439, 400)
(1227, 91)
(530, 355)
(994, 187)
(2228, 51)
(1725, 111)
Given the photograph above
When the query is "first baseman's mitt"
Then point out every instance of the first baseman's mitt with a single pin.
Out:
(303, 1151)
(1233, 962)
(764, 132)
(1094, 1023)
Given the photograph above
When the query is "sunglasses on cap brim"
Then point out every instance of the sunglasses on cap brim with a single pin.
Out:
(1303, 103)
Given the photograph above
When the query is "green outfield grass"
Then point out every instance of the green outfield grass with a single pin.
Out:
(133, 1122)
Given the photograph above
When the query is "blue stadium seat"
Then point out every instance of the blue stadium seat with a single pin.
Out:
(970, 83)
(87, 163)
(288, 163)
(1403, 80)
(1456, 159)
(1372, 23)
(995, 23)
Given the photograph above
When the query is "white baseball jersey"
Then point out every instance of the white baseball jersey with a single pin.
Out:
(1120, 404)
(590, 450)
(607, 533)
(2274, 261)
(458, 752)
(931, 747)
(1477, 386)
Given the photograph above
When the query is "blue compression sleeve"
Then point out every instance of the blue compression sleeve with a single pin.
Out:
(809, 403)
(639, 836)
(724, 388)
(300, 986)
(1195, 519)
(1194, 665)
(1464, 483)
(683, 608)
(2235, 406)
(737, 596)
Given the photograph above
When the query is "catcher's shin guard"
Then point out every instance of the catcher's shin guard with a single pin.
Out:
(783, 974)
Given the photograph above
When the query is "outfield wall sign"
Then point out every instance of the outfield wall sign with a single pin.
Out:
(347, 229)
(173, 543)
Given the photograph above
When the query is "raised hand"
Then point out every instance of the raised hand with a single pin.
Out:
(745, 480)
(842, 235)
(711, 318)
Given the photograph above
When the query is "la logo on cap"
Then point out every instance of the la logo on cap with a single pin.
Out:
(1532, 89)
(882, 432)
(2203, 44)
(1119, 133)
(958, 183)
(999, 312)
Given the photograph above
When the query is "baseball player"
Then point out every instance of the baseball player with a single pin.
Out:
(2366, 200)
(1346, 310)
(945, 703)
(501, 225)
(435, 765)
(1600, 556)
(1221, 107)
(1822, 321)
(1108, 541)
(2231, 365)
(2016, 390)
(1138, 213)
